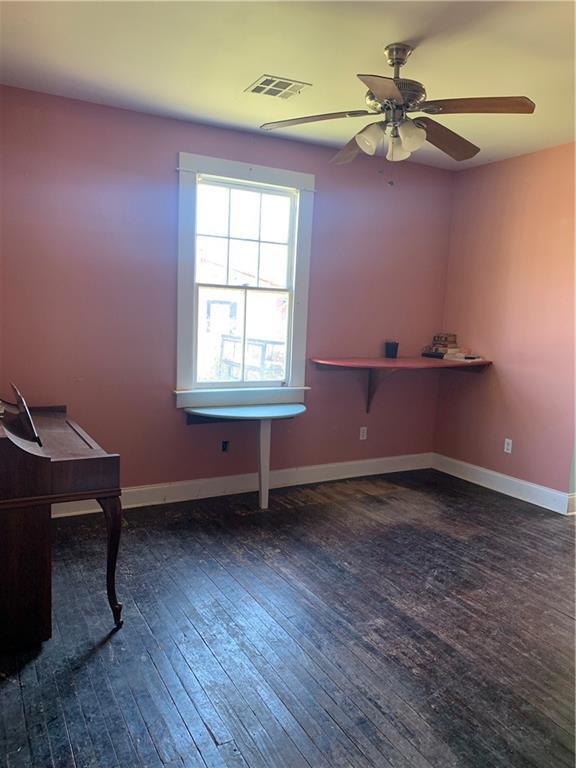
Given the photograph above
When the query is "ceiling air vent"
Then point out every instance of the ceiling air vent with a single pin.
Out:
(271, 85)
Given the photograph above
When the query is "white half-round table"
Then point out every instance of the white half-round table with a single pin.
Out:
(265, 414)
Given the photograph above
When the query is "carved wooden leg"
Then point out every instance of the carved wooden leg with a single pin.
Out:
(112, 509)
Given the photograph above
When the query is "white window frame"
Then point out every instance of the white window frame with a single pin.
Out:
(190, 167)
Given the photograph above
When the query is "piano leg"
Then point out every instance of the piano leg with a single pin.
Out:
(112, 509)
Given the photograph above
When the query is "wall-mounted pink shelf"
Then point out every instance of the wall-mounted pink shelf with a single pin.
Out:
(382, 366)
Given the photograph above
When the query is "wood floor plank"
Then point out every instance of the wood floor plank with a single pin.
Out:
(317, 724)
(394, 735)
(15, 747)
(35, 715)
(131, 737)
(163, 721)
(322, 642)
(237, 665)
(222, 692)
(405, 621)
(345, 588)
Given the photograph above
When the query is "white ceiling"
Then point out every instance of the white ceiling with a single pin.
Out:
(193, 60)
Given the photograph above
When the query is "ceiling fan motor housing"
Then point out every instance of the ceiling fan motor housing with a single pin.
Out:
(412, 92)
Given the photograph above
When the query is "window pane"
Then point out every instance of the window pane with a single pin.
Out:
(243, 263)
(211, 259)
(273, 265)
(220, 334)
(212, 210)
(275, 218)
(266, 336)
(244, 213)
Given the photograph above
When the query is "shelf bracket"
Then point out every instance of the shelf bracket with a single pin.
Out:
(375, 376)
(372, 387)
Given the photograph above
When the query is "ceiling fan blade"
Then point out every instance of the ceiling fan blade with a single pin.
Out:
(384, 88)
(449, 142)
(348, 153)
(505, 105)
(315, 118)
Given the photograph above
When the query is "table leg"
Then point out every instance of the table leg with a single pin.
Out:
(264, 461)
(112, 509)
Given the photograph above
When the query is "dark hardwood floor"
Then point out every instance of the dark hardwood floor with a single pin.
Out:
(411, 620)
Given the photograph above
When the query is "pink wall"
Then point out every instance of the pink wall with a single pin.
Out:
(88, 292)
(510, 296)
(89, 228)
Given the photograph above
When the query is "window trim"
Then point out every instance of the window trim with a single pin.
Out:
(190, 166)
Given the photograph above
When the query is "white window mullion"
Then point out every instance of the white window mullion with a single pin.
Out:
(264, 288)
(259, 243)
(228, 240)
(186, 280)
(301, 270)
(195, 322)
(244, 340)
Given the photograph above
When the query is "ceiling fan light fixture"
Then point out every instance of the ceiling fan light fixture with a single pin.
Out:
(370, 138)
(396, 150)
(412, 136)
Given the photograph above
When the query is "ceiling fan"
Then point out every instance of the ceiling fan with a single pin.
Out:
(392, 98)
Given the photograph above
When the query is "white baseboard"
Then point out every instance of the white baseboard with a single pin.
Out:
(208, 487)
(540, 495)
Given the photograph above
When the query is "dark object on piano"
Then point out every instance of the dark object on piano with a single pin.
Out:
(46, 458)
(22, 424)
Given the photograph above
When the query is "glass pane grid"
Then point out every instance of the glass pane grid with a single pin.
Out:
(253, 226)
(242, 335)
(240, 261)
(243, 246)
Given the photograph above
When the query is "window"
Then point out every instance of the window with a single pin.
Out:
(242, 282)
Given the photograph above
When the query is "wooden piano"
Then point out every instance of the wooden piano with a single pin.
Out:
(46, 458)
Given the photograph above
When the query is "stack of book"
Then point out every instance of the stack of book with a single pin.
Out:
(442, 344)
(445, 346)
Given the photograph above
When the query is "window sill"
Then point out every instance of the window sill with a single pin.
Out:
(198, 398)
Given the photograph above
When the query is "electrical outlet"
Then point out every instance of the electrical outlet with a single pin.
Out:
(507, 445)
(363, 433)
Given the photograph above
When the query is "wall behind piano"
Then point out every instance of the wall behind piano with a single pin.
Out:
(89, 318)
